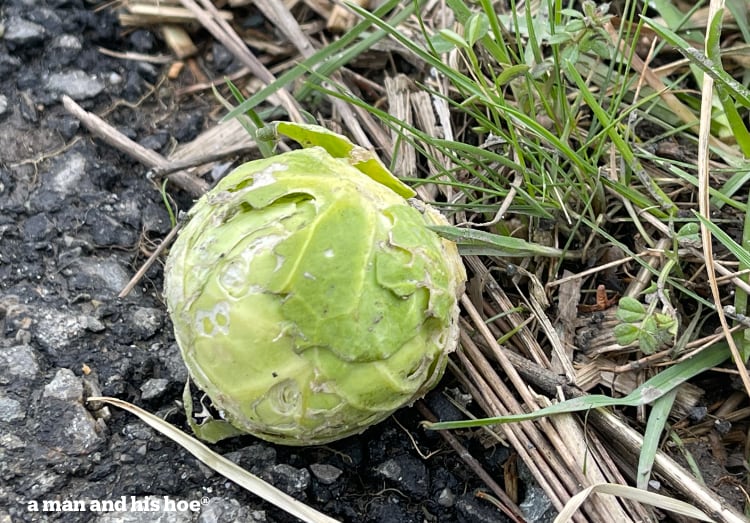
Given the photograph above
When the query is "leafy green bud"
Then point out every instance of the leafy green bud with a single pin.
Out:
(309, 300)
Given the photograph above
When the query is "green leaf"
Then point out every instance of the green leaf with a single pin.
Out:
(440, 44)
(454, 38)
(574, 26)
(476, 27)
(626, 333)
(630, 310)
(559, 38)
(648, 340)
(689, 235)
(511, 72)
(338, 146)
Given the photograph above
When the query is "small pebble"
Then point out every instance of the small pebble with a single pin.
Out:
(326, 474)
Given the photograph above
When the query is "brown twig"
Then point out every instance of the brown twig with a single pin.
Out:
(507, 506)
(149, 262)
(116, 139)
(193, 161)
(222, 31)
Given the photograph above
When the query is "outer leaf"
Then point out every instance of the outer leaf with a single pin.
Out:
(339, 147)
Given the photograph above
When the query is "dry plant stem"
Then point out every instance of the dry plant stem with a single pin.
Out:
(550, 464)
(526, 340)
(100, 128)
(514, 433)
(220, 139)
(278, 13)
(187, 163)
(630, 443)
(594, 270)
(558, 348)
(399, 97)
(223, 32)
(645, 275)
(590, 454)
(719, 267)
(146, 14)
(704, 205)
(148, 263)
(425, 106)
(508, 507)
(138, 57)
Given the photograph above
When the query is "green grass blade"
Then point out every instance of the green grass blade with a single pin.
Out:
(657, 420)
(734, 119)
(329, 58)
(471, 241)
(723, 80)
(648, 392)
(620, 144)
(735, 248)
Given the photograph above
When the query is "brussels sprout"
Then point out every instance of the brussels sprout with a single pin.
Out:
(309, 297)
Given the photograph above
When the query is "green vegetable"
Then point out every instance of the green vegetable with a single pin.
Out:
(309, 300)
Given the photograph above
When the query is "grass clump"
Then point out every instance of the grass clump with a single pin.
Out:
(565, 141)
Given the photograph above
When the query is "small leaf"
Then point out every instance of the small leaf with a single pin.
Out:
(441, 45)
(559, 38)
(454, 38)
(510, 72)
(476, 27)
(689, 229)
(601, 49)
(630, 310)
(570, 54)
(649, 325)
(664, 321)
(647, 342)
(574, 26)
(626, 333)
(589, 9)
(571, 13)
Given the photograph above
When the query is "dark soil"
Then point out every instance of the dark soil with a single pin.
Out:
(77, 219)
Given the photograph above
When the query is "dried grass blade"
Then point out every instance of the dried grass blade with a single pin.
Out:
(222, 465)
(704, 174)
(642, 496)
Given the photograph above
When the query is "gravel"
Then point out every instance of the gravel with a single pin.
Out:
(77, 219)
